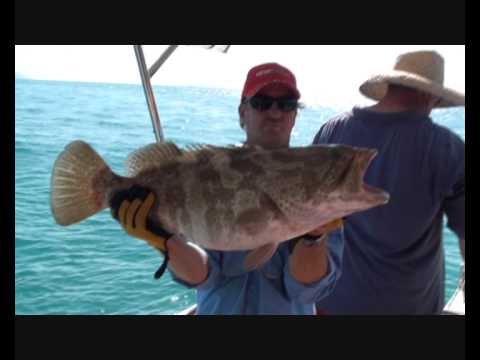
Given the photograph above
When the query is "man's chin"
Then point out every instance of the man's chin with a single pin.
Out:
(275, 130)
(274, 143)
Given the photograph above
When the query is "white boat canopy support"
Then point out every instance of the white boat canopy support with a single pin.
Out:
(147, 74)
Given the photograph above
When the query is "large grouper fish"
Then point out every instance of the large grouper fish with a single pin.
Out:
(223, 198)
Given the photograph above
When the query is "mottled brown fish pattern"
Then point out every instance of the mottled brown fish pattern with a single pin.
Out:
(223, 198)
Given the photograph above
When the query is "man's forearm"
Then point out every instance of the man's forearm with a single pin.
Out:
(309, 264)
(187, 261)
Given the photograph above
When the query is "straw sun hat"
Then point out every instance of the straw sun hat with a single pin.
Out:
(420, 70)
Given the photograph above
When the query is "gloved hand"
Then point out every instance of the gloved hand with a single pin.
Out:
(317, 235)
(131, 208)
(325, 229)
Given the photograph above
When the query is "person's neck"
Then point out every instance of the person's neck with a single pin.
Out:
(388, 105)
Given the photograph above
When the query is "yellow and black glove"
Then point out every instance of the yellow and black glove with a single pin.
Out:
(325, 229)
(317, 235)
(131, 208)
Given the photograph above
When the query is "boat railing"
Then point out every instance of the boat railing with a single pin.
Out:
(146, 75)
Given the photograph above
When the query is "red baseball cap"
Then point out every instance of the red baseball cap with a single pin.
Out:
(265, 74)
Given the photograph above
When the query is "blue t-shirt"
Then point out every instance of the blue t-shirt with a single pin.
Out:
(270, 289)
(393, 260)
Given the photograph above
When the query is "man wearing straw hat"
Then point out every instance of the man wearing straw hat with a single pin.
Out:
(393, 260)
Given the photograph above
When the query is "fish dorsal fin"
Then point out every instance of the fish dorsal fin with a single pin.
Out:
(150, 156)
(198, 152)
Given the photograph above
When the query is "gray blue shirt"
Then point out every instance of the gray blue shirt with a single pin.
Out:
(271, 289)
(393, 261)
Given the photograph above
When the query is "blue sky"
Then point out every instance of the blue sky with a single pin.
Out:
(325, 73)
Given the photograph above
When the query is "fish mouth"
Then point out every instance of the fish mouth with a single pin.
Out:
(355, 169)
(376, 195)
(360, 163)
(364, 158)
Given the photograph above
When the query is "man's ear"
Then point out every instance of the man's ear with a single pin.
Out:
(430, 100)
(241, 114)
(241, 110)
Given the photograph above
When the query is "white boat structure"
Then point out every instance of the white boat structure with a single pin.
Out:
(456, 304)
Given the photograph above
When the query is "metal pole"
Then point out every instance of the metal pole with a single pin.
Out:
(166, 54)
(147, 87)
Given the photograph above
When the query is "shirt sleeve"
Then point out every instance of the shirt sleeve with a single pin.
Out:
(320, 136)
(212, 277)
(311, 293)
(454, 205)
(327, 130)
(454, 201)
(455, 211)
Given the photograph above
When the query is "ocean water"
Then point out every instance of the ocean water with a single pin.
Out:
(94, 267)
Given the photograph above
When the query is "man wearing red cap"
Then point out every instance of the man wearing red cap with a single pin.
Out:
(264, 126)
(301, 271)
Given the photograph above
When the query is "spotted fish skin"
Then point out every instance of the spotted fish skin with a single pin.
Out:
(227, 198)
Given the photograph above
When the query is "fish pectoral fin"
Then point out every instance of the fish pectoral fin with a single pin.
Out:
(259, 256)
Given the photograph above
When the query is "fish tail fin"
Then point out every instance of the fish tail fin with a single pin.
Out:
(80, 183)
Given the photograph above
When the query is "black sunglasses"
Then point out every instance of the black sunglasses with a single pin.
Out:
(263, 102)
